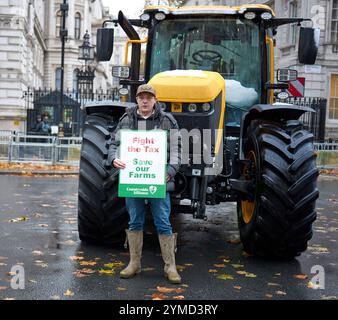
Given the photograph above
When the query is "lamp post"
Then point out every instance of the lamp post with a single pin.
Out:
(63, 35)
(86, 76)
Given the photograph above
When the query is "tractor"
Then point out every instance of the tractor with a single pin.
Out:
(213, 70)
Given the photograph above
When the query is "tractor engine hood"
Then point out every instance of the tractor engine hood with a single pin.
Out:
(188, 86)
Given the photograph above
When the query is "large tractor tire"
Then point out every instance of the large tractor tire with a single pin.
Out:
(102, 216)
(278, 222)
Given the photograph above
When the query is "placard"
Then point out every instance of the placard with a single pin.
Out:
(145, 155)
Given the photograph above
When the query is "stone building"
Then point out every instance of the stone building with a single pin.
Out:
(30, 51)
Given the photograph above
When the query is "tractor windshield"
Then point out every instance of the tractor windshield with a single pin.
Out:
(229, 46)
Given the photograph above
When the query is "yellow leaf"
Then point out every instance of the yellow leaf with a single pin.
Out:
(169, 290)
(225, 277)
(213, 270)
(188, 264)
(178, 297)
(68, 293)
(121, 289)
(247, 274)
(87, 271)
(147, 269)
(107, 272)
(237, 287)
(114, 264)
(20, 219)
(237, 266)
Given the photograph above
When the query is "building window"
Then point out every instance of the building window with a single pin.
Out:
(333, 108)
(77, 32)
(334, 23)
(58, 79)
(58, 24)
(75, 80)
(293, 7)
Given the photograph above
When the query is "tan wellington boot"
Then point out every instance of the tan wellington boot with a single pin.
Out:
(167, 243)
(135, 241)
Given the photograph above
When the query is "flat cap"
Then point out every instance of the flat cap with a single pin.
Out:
(146, 88)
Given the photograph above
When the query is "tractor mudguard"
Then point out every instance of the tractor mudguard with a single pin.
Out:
(111, 108)
(277, 113)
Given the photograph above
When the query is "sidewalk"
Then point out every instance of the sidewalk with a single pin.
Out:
(30, 169)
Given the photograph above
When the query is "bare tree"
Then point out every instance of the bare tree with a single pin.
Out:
(170, 3)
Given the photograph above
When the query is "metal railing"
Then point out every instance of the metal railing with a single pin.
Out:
(327, 155)
(15, 148)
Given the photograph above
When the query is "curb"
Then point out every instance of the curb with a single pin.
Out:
(38, 172)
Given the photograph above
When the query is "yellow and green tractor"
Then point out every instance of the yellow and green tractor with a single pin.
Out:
(213, 69)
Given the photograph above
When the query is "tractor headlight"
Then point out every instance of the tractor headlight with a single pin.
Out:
(250, 15)
(145, 17)
(192, 107)
(266, 16)
(159, 16)
(206, 107)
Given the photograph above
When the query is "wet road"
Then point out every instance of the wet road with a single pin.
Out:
(38, 231)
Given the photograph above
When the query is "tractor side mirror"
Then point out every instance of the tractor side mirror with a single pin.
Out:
(308, 45)
(104, 43)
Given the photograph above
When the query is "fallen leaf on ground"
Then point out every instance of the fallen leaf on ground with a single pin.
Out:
(3, 288)
(219, 265)
(116, 264)
(237, 287)
(2, 264)
(225, 277)
(158, 296)
(281, 293)
(87, 271)
(107, 272)
(212, 270)
(300, 276)
(148, 269)
(76, 258)
(329, 298)
(270, 296)
(9, 299)
(317, 249)
(88, 263)
(37, 253)
(237, 266)
(20, 219)
(56, 297)
(272, 284)
(32, 281)
(169, 290)
(11, 273)
(247, 274)
(45, 205)
(178, 297)
(121, 289)
(68, 293)
(41, 264)
(188, 264)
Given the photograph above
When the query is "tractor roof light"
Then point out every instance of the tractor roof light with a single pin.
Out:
(145, 17)
(159, 16)
(249, 15)
(266, 16)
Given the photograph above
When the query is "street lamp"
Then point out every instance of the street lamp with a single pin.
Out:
(86, 77)
(63, 35)
(86, 51)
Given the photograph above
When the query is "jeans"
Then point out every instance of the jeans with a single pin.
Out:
(160, 209)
